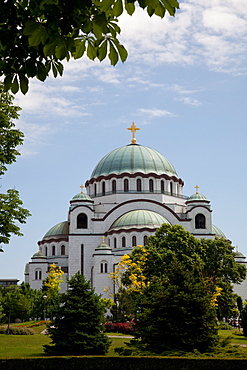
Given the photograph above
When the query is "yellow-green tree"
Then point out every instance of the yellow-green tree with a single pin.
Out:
(51, 287)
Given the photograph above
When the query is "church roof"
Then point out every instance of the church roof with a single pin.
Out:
(57, 230)
(139, 219)
(131, 159)
(218, 232)
(38, 255)
(82, 197)
(196, 196)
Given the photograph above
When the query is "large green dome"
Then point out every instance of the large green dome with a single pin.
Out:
(131, 159)
(139, 219)
(60, 229)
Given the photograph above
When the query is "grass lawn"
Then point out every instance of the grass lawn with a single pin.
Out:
(18, 346)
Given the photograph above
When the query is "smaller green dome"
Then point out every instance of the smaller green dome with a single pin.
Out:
(38, 255)
(197, 197)
(58, 230)
(139, 219)
(82, 197)
(103, 248)
(218, 232)
(239, 255)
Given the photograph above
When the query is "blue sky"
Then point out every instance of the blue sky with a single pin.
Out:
(184, 85)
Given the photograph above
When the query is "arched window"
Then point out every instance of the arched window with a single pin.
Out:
(82, 221)
(138, 185)
(145, 240)
(162, 186)
(123, 242)
(95, 189)
(53, 250)
(134, 241)
(114, 186)
(200, 221)
(171, 189)
(45, 251)
(103, 188)
(151, 186)
(103, 267)
(126, 185)
(62, 250)
(38, 274)
(115, 242)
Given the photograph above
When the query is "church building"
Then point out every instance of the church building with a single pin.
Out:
(132, 191)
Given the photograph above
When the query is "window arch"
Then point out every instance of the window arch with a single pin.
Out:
(162, 186)
(145, 240)
(126, 185)
(103, 188)
(134, 241)
(38, 274)
(151, 186)
(123, 242)
(200, 221)
(103, 267)
(114, 186)
(138, 185)
(62, 250)
(53, 250)
(82, 221)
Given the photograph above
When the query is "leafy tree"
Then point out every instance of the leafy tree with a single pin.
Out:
(77, 328)
(11, 209)
(36, 35)
(178, 284)
(51, 287)
(15, 304)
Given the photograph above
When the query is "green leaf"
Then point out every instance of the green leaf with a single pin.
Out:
(106, 5)
(102, 50)
(15, 85)
(41, 71)
(8, 82)
(49, 49)
(54, 70)
(59, 68)
(61, 50)
(121, 50)
(91, 51)
(80, 49)
(97, 31)
(31, 69)
(160, 10)
(150, 11)
(130, 7)
(169, 7)
(39, 35)
(23, 84)
(117, 9)
(113, 55)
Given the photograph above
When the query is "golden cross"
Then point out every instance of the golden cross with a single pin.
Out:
(196, 187)
(82, 187)
(133, 129)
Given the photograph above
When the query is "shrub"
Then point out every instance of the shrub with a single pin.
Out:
(124, 328)
(16, 331)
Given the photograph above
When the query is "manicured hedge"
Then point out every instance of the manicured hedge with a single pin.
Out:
(126, 363)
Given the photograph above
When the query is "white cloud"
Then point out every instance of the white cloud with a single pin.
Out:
(153, 112)
(189, 101)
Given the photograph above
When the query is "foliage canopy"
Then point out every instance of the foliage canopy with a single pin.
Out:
(176, 282)
(11, 209)
(36, 35)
